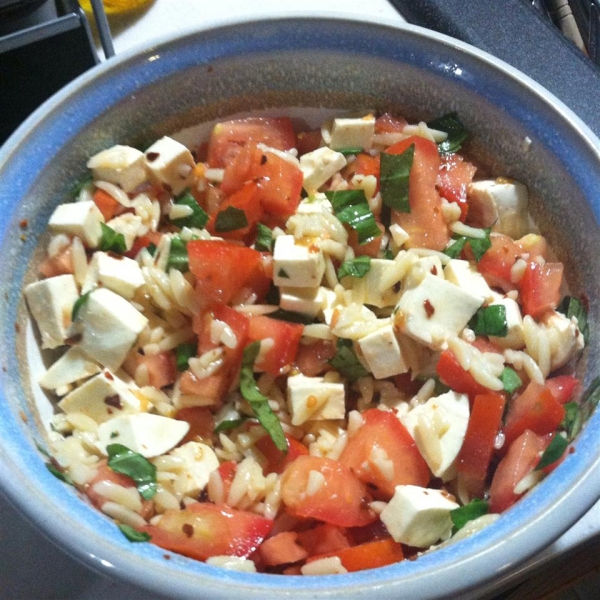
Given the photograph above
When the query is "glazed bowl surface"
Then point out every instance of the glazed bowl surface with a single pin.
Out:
(518, 130)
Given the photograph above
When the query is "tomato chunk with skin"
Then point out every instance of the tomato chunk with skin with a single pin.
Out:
(323, 539)
(277, 461)
(281, 549)
(322, 488)
(203, 530)
(563, 387)
(456, 378)
(454, 176)
(496, 264)
(201, 421)
(162, 370)
(540, 288)
(313, 359)
(380, 439)
(108, 206)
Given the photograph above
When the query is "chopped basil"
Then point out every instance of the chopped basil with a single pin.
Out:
(293, 317)
(58, 473)
(351, 207)
(151, 248)
(230, 219)
(440, 387)
(346, 362)
(111, 241)
(590, 400)
(454, 250)
(357, 267)
(80, 185)
(388, 255)
(456, 131)
(347, 151)
(283, 274)
(510, 380)
(259, 403)
(123, 460)
(553, 452)
(133, 535)
(461, 516)
(79, 304)
(228, 425)
(573, 307)
(394, 176)
(183, 353)
(490, 320)
(197, 219)
(264, 238)
(479, 246)
(571, 422)
(178, 255)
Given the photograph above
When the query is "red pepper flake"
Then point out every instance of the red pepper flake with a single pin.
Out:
(74, 339)
(17, 328)
(188, 530)
(167, 187)
(114, 401)
(263, 159)
(210, 68)
(429, 309)
(167, 556)
(24, 224)
(434, 270)
(152, 156)
(108, 375)
(571, 450)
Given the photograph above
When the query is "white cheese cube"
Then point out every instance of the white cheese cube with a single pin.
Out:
(120, 274)
(434, 310)
(399, 235)
(420, 268)
(73, 366)
(295, 265)
(317, 204)
(510, 199)
(465, 275)
(352, 133)
(418, 517)
(382, 353)
(438, 427)
(146, 434)
(307, 301)
(103, 397)
(51, 304)
(171, 165)
(330, 301)
(199, 461)
(514, 321)
(319, 166)
(313, 399)
(369, 288)
(82, 219)
(110, 327)
(567, 339)
(122, 165)
(129, 226)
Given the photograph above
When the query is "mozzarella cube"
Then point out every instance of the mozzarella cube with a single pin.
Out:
(110, 327)
(370, 289)
(129, 226)
(510, 199)
(122, 165)
(420, 268)
(315, 205)
(382, 353)
(82, 219)
(73, 366)
(319, 166)
(330, 301)
(146, 434)
(465, 275)
(399, 235)
(419, 517)
(51, 304)
(514, 321)
(103, 397)
(438, 427)
(171, 165)
(307, 301)
(314, 399)
(567, 339)
(120, 274)
(198, 462)
(352, 133)
(295, 265)
(434, 310)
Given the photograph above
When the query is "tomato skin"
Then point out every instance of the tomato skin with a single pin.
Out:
(371, 248)
(162, 370)
(313, 359)
(563, 387)
(323, 538)
(454, 176)
(307, 141)
(277, 460)
(540, 288)
(388, 124)
(341, 499)
(455, 377)
(384, 430)
(496, 264)
(281, 549)
(152, 237)
(107, 205)
(201, 421)
(60, 264)
(363, 164)
(203, 530)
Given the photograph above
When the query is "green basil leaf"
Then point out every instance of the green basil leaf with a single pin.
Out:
(79, 304)
(282, 273)
(454, 250)
(197, 219)
(357, 267)
(490, 320)
(183, 353)
(346, 362)
(259, 403)
(151, 248)
(349, 151)
(58, 473)
(133, 535)
(480, 245)
(351, 207)
(553, 452)
(123, 460)
(230, 219)
(461, 516)
(572, 421)
(510, 380)
(75, 190)
(573, 307)
(388, 255)
(590, 400)
(264, 238)
(393, 179)
(292, 317)
(111, 241)
(229, 424)
(456, 131)
(178, 255)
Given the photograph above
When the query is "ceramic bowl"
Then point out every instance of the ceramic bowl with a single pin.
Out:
(518, 129)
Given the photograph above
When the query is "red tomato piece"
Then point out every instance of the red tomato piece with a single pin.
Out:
(60, 264)
(363, 164)
(455, 377)
(371, 248)
(229, 137)
(201, 421)
(535, 245)
(152, 237)
(383, 437)
(522, 457)
(424, 223)
(562, 387)
(313, 359)
(454, 176)
(335, 496)
(107, 205)
(227, 472)
(281, 549)
(162, 370)
(323, 538)
(208, 391)
(277, 460)
(495, 265)
(536, 409)
(203, 530)
(307, 141)
(388, 124)
(540, 288)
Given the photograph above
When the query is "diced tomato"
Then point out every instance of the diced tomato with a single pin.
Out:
(152, 237)
(281, 549)
(363, 164)
(424, 223)
(227, 471)
(335, 495)
(536, 409)
(277, 461)
(370, 555)
(371, 248)
(484, 344)
(405, 383)
(496, 264)
(285, 339)
(535, 245)
(522, 457)
(229, 137)
(388, 124)
(60, 264)
(323, 538)
(201, 421)
(162, 370)
(313, 359)
(562, 387)
(107, 205)
(203, 530)
(478, 446)
(259, 280)
(207, 391)
(540, 288)
(454, 176)
(307, 141)
(455, 377)
(382, 437)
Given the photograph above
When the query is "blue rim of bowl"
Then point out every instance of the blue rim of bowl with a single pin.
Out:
(524, 530)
